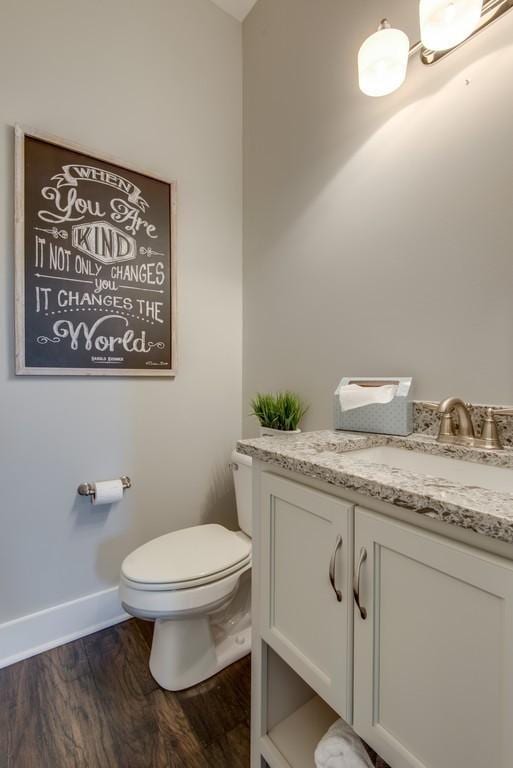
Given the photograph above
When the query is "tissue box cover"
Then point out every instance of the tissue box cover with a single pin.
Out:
(394, 418)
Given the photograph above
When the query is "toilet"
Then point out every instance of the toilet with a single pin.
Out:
(195, 584)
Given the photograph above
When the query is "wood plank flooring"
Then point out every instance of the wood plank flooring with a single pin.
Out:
(93, 704)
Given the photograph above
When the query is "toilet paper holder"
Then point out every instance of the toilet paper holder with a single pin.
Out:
(89, 489)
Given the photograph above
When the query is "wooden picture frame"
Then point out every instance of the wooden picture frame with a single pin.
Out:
(108, 231)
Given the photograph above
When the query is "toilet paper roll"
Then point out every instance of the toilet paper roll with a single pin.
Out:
(107, 492)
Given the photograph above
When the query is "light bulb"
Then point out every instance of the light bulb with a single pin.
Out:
(382, 61)
(446, 23)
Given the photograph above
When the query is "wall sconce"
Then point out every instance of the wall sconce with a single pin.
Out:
(444, 26)
(383, 61)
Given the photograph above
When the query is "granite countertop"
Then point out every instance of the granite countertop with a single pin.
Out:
(327, 456)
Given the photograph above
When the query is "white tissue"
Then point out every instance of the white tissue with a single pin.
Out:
(353, 396)
(107, 492)
(341, 748)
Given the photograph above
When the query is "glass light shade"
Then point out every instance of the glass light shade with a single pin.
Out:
(446, 23)
(382, 62)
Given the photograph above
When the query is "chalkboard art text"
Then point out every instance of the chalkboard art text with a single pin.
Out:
(97, 261)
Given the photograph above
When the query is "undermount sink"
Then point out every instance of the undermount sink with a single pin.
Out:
(454, 470)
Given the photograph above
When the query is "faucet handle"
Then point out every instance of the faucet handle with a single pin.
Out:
(430, 405)
(446, 430)
(500, 411)
(490, 437)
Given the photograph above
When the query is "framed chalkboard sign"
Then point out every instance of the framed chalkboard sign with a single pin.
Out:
(95, 264)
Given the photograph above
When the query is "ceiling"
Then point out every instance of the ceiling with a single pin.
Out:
(237, 8)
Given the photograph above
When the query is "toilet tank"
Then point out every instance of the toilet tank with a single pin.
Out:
(243, 481)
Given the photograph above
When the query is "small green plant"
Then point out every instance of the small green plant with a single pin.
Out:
(283, 410)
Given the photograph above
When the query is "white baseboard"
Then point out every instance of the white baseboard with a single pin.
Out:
(58, 625)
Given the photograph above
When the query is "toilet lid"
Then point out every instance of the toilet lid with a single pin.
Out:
(186, 555)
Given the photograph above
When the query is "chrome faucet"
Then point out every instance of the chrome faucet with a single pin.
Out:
(463, 433)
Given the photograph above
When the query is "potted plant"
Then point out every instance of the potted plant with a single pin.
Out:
(278, 414)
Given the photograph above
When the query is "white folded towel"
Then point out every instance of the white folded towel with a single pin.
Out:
(341, 748)
(354, 396)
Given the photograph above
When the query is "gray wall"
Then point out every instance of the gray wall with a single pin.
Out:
(158, 85)
(378, 233)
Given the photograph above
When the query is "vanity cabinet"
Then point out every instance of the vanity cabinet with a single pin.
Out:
(433, 659)
(306, 571)
(404, 633)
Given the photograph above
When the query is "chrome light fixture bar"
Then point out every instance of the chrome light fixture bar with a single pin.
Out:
(383, 57)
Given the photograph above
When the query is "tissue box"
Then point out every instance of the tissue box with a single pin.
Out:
(394, 418)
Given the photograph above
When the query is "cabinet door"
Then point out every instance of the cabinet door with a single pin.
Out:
(306, 559)
(434, 657)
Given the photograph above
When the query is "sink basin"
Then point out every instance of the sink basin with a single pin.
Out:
(454, 470)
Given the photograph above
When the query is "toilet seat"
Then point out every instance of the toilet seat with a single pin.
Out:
(165, 602)
(177, 586)
(187, 571)
(188, 558)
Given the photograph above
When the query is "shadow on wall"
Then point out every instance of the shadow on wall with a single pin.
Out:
(437, 118)
(220, 504)
(334, 120)
(113, 531)
(86, 515)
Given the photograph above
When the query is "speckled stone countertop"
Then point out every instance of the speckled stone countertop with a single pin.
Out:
(327, 456)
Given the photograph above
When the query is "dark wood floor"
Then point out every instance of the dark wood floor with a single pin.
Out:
(93, 704)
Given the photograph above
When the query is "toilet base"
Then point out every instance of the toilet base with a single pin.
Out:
(185, 653)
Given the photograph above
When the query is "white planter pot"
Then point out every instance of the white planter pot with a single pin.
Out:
(268, 432)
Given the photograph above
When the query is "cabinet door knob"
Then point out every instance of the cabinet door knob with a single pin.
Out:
(333, 563)
(356, 583)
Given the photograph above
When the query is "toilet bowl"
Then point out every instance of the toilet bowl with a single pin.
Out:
(195, 584)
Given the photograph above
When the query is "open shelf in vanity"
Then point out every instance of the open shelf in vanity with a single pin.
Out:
(294, 717)
(297, 736)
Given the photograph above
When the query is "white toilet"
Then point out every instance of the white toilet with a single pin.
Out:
(196, 585)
